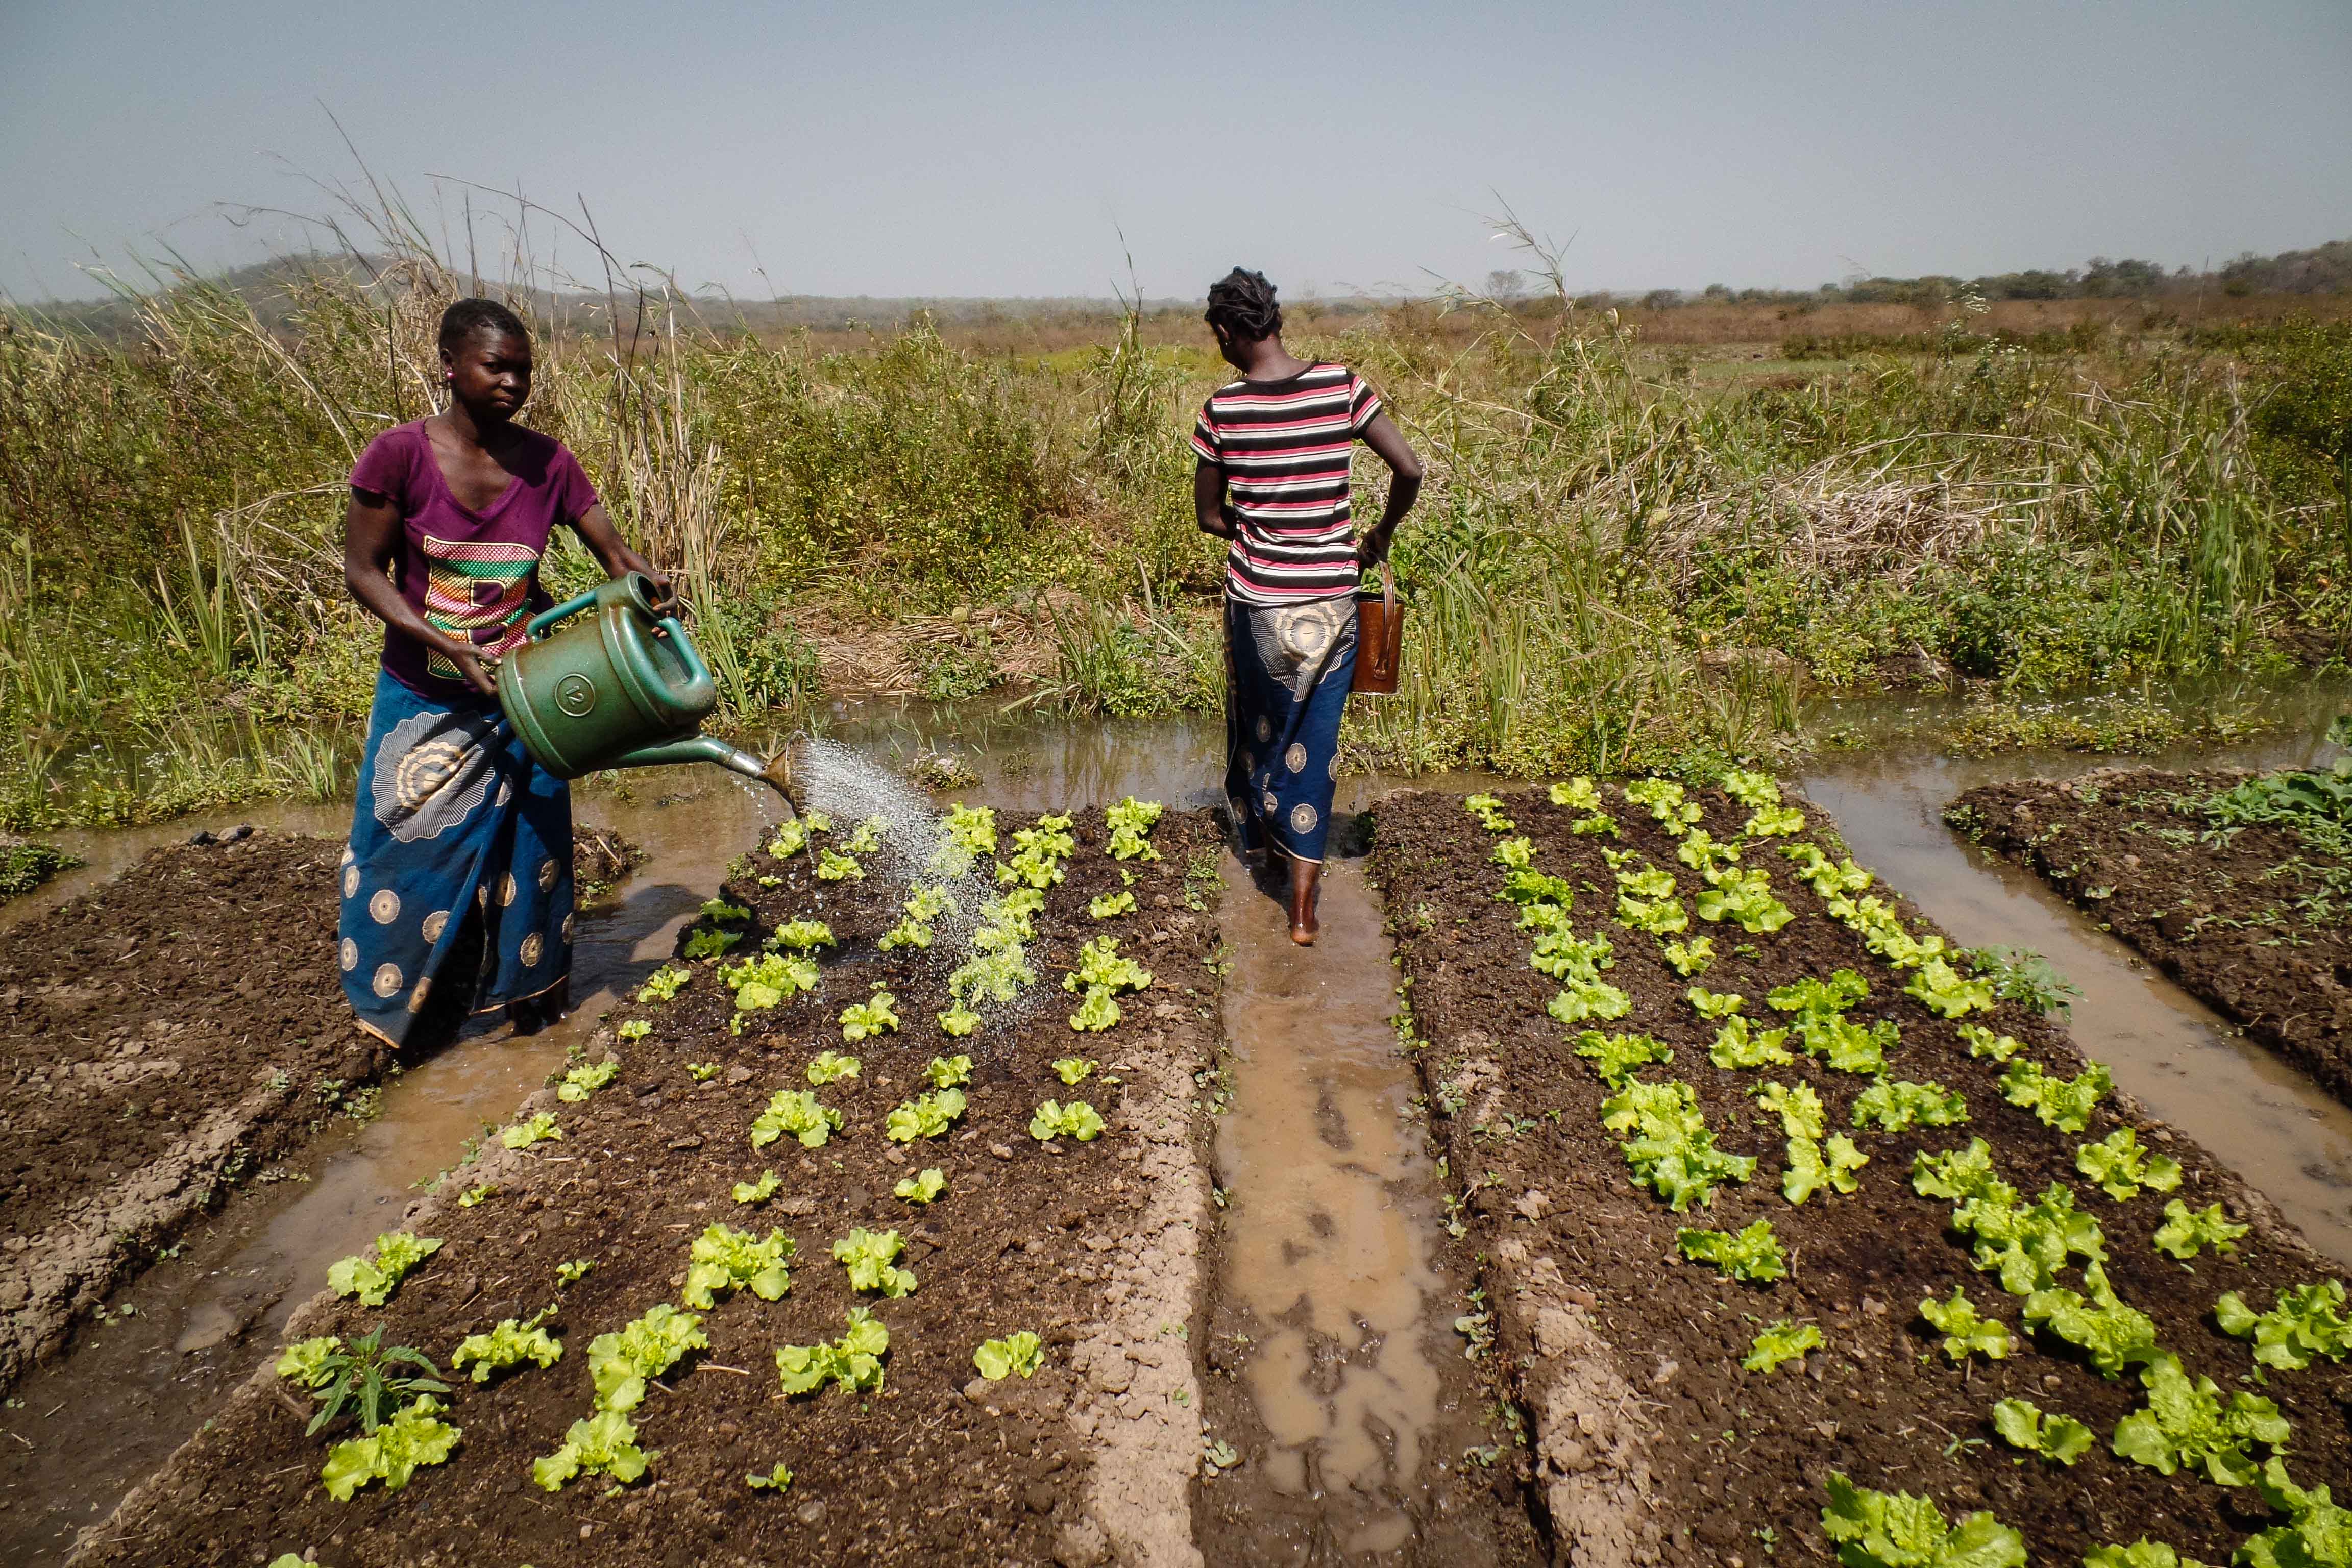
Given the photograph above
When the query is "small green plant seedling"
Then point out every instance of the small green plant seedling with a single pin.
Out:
(1015, 1354)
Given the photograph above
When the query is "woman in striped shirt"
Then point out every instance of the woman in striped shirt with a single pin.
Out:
(1276, 448)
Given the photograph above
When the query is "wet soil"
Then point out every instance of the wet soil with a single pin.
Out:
(1650, 1442)
(1363, 1433)
(1094, 1246)
(2220, 916)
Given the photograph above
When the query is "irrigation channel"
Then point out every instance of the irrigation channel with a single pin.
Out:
(1337, 1284)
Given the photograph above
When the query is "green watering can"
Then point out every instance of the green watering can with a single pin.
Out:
(620, 687)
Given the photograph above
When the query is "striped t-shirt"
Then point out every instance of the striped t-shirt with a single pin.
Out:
(1285, 447)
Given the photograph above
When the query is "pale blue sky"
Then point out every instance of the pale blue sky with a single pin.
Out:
(969, 149)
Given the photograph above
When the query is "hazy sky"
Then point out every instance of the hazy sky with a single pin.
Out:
(970, 149)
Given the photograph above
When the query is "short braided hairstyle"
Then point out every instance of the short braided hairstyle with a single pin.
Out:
(1242, 302)
(466, 317)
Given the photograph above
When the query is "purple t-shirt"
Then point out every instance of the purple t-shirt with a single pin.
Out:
(469, 573)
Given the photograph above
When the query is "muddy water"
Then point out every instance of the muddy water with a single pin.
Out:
(1331, 1220)
(94, 1423)
(2185, 1064)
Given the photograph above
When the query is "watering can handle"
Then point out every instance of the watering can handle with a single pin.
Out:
(543, 622)
(696, 671)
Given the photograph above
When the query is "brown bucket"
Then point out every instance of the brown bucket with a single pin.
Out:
(1380, 638)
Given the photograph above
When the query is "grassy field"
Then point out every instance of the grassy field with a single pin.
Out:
(1645, 533)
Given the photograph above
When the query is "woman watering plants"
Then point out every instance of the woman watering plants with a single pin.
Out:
(1276, 448)
(458, 883)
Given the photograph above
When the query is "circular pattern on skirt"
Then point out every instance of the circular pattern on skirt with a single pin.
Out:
(506, 891)
(1294, 759)
(348, 855)
(1272, 805)
(1302, 818)
(351, 879)
(506, 791)
(1264, 730)
(436, 924)
(387, 979)
(1333, 767)
(546, 875)
(384, 906)
(416, 997)
(351, 955)
(531, 948)
(567, 928)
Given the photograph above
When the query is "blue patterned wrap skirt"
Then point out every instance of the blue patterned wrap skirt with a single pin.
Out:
(453, 816)
(1288, 671)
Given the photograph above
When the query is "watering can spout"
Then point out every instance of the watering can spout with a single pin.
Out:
(776, 771)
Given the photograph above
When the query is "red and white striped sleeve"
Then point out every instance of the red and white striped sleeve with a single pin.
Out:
(1363, 404)
(1204, 437)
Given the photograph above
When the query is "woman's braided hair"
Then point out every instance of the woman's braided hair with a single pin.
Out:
(461, 320)
(1242, 302)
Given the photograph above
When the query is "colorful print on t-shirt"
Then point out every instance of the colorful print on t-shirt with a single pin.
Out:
(479, 590)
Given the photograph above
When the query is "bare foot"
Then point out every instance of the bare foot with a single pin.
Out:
(1305, 893)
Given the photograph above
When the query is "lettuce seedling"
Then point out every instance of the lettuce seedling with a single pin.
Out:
(374, 1280)
(1691, 958)
(958, 1021)
(946, 1072)
(2062, 1103)
(1701, 852)
(539, 1129)
(1966, 1334)
(2186, 1425)
(2121, 1167)
(925, 1116)
(622, 1362)
(796, 1112)
(2314, 1535)
(1783, 1342)
(1775, 822)
(1751, 1257)
(2304, 1322)
(1847, 1046)
(1100, 965)
(831, 1067)
(1896, 1529)
(1812, 998)
(776, 1480)
(833, 866)
(1563, 955)
(709, 942)
(474, 1197)
(1893, 1105)
(972, 828)
(1672, 1152)
(1104, 906)
(1097, 1012)
(2110, 1333)
(632, 1029)
(852, 1363)
(907, 932)
(573, 1272)
(1744, 898)
(1800, 1111)
(1074, 1070)
(724, 1258)
(1750, 788)
(1659, 917)
(2186, 1232)
(768, 980)
(868, 1255)
(1577, 795)
(1078, 1118)
(602, 1444)
(1128, 822)
(922, 1188)
(394, 1451)
(1020, 1354)
(2147, 1553)
(1944, 992)
(1882, 932)
(1649, 882)
(1813, 1166)
(1737, 1047)
(510, 1344)
(720, 910)
(589, 1077)
(1527, 886)
(869, 1019)
(1518, 854)
(1489, 812)
(801, 936)
(1829, 879)
(1599, 822)
(868, 837)
(1713, 1004)
(663, 984)
(1982, 1042)
(1673, 814)
(1614, 1057)
(759, 1191)
(1581, 999)
(2020, 1424)
(1960, 1174)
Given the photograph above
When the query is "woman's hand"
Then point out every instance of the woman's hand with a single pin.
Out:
(1372, 548)
(479, 669)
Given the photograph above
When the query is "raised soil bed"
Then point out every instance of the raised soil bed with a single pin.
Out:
(1649, 1442)
(1093, 1246)
(2221, 915)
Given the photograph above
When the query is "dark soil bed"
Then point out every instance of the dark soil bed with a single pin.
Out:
(934, 1466)
(2221, 914)
(1650, 1441)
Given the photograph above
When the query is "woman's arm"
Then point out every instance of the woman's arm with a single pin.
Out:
(1209, 508)
(1404, 487)
(612, 553)
(370, 538)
